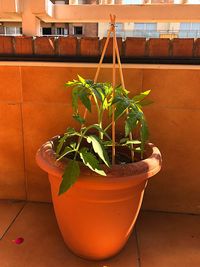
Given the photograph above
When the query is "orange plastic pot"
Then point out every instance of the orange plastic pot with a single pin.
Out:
(97, 214)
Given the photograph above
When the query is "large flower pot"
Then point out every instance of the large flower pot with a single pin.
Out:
(97, 214)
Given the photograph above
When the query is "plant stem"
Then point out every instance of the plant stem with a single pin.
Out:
(99, 114)
(78, 145)
(110, 124)
(100, 122)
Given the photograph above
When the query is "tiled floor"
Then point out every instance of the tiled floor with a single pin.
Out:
(160, 240)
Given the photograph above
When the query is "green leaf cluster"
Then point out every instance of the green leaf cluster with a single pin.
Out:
(90, 144)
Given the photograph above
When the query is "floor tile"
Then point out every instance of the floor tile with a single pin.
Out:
(38, 186)
(43, 245)
(169, 240)
(8, 211)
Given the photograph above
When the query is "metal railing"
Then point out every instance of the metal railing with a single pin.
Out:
(159, 34)
(138, 33)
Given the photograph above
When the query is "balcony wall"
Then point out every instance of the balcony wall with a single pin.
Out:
(34, 106)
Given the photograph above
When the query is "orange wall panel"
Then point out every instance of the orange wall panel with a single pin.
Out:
(41, 108)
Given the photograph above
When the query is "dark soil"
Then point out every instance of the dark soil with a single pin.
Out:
(123, 154)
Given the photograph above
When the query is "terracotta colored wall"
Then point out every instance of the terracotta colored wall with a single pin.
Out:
(34, 106)
(131, 47)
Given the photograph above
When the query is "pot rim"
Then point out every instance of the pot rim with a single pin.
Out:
(122, 173)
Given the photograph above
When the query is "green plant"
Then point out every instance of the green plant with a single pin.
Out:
(92, 142)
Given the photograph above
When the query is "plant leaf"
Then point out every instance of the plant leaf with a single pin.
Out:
(126, 141)
(70, 176)
(141, 96)
(117, 99)
(70, 131)
(146, 102)
(71, 83)
(123, 140)
(134, 142)
(97, 127)
(81, 79)
(130, 123)
(73, 145)
(78, 118)
(108, 143)
(66, 151)
(75, 99)
(91, 161)
(99, 148)
(60, 145)
(105, 104)
(97, 93)
(144, 131)
(120, 108)
(85, 99)
(119, 90)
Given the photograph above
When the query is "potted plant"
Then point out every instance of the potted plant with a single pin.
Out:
(98, 177)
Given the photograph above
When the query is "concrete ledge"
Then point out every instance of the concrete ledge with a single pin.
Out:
(127, 13)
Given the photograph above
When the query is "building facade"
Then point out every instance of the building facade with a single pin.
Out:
(131, 29)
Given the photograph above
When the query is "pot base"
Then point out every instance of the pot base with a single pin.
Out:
(97, 214)
(96, 224)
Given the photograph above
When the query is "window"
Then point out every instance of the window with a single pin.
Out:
(78, 30)
(151, 26)
(46, 31)
(139, 26)
(60, 31)
(59, 2)
(196, 2)
(13, 30)
(119, 29)
(136, 2)
(189, 30)
(119, 26)
(146, 26)
(146, 30)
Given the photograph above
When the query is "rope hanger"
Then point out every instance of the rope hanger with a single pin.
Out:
(115, 55)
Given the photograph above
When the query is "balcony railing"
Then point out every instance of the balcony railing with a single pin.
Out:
(159, 34)
(142, 34)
